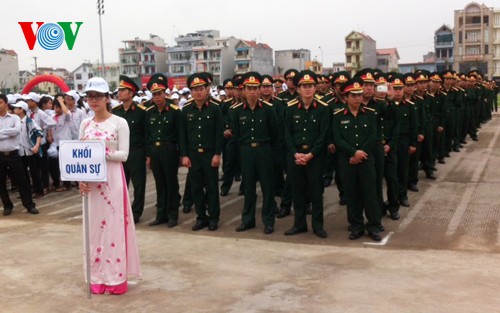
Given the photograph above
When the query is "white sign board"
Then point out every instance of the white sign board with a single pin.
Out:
(83, 160)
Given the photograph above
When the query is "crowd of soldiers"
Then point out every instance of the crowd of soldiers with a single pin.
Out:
(294, 136)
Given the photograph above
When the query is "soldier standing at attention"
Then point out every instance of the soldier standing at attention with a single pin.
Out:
(255, 126)
(201, 145)
(135, 166)
(354, 131)
(307, 124)
(286, 96)
(162, 151)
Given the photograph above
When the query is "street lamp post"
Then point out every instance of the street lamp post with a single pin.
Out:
(100, 11)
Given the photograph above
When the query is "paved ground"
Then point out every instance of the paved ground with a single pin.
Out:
(442, 256)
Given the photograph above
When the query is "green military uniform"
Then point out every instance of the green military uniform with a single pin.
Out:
(201, 140)
(135, 166)
(352, 133)
(162, 138)
(285, 97)
(256, 131)
(306, 132)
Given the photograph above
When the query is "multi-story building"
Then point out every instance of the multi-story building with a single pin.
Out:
(111, 73)
(202, 51)
(496, 44)
(443, 47)
(473, 39)
(142, 58)
(314, 66)
(9, 71)
(387, 59)
(81, 75)
(24, 78)
(253, 56)
(293, 58)
(338, 66)
(360, 52)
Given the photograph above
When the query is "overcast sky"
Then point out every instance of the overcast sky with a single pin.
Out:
(283, 24)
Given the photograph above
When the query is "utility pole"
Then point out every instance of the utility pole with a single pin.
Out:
(100, 11)
(36, 66)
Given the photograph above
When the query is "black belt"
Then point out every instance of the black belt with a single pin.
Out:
(9, 153)
(202, 150)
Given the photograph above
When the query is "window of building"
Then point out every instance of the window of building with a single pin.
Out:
(486, 20)
(80, 87)
(444, 53)
(78, 76)
(296, 55)
(459, 37)
(497, 20)
(476, 19)
(91, 75)
(486, 49)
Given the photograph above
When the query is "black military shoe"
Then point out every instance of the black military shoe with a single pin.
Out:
(375, 236)
(157, 222)
(224, 193)
(284, 211)
(475, 139)
(199, 225)
(404, 202)
(7, 212)
(309, 210)
(327, 182)
(413, 187)
(430, 176)
(213, 225)
(172, 223)
(33, 210)
(394, 216)
(381, 228)
(237, 178)
(441, 161)
(268, 230)
(356, 235)
(294, 231)
(342, 201)
(456, 149)
(137, 219)
(320, 232)
(244, 227)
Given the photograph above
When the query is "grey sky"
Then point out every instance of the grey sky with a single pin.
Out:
(283, 24)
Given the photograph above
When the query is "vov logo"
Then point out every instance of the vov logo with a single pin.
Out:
(50, 36)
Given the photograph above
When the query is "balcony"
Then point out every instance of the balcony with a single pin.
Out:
(354, 50)
(242, 57)
(444, 44)
(474, 26)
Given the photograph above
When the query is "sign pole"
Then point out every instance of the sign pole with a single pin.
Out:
(87, 243)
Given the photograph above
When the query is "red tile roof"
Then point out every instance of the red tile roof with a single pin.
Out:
(252, 43)
(9, 52)
(388, 51)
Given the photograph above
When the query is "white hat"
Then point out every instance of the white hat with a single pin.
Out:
(97, 84)
(21, 104)
(34, 96)
(73, 94)
(25, 97)
(149, 94)
(222, 93)
(175, 96)
(185, 90)
(11, 99)
(136, 99)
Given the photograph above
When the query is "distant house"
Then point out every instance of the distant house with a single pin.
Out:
(292, 58)
(24, 78)
(360, 52)
(253, 56)
(387, 59)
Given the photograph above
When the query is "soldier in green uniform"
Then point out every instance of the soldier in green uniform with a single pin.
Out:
(162, 151)
(279, 159)
(335, 102)
(255, 126)
(135, 166)
(451, 103)
(407, 137)
(438, 113)
(201, 144)
(307, 124)
(286, 96)
(354, 130)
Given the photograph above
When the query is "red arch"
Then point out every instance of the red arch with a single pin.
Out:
(45, 78)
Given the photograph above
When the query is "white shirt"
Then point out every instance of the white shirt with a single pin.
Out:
(10, 128)
(77, 116)
(43, 120)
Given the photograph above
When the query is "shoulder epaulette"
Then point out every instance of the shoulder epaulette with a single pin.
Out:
(444, 93)
(460, 88)
(430, 95)
(331, 99)
(141, 106)
(318, 97)
(147, 109)
(116, 107)
(328, 93)
(234, 106)
(369, 109)
(292, 102)
(454, 88)
(214, 102)
(173, 106)
(419, 97)
(228, 100)
(322, 102)
(281, 92)
(410, 102)
(269, 104)
(338, 111)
